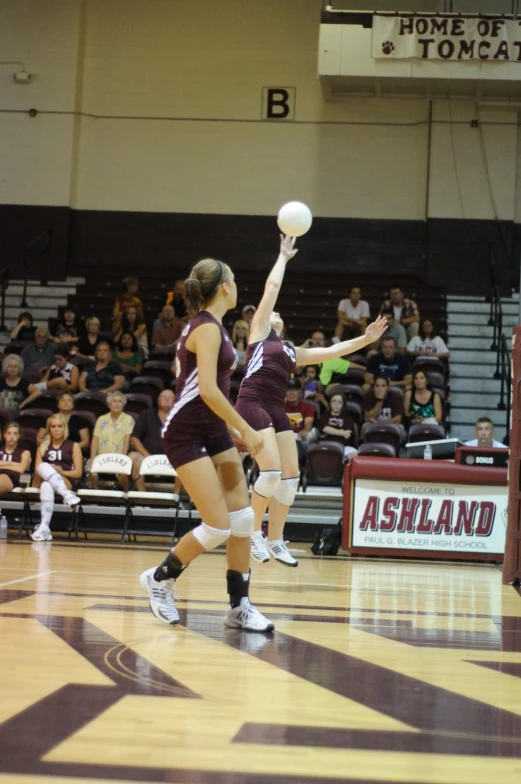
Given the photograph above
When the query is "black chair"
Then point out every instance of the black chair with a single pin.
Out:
(354, 410)
(31, 376)
(384, 433)
(163, 354)
(137, 403)
(147, 385)
(436, 379)
(28, 440)
(324, 464)
(91, 401)
(88, 417)
(49, 399)
(353, 392)
(428, 364)
(6, 415)
(158, 369)
(34, 417)
(426, 433)
(376, 449)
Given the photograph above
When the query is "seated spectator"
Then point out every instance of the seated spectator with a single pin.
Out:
(335, 371)
(13, 388)
(112, 434)
(123, 301)
(337, 425)
(88, 340)
(405, 311)
(312, 388)
(176, 298)
(427, 343)
(394, 330)
(248, 313)
(103, 374)
(301, 416)
(127, 356)
(317, 340)
(422, 405)
(240, 336)
(147, 436)
(58, 464)
(61, 375)
(379, 406)
(13, 461)
(68, 329)
(132, 321)
(40, 354)
(389, 363)
(353, 315)
(485, 435)
(78, 430)
(168, 331)
(25, 329)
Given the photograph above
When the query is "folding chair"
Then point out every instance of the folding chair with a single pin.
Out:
(154, 466)
(147, 385)
(384, 433)
(376, 449)
(91, 401)
(137, 402)
(111, 463)
(426, 433)
(154, 368)
(34, 417)
(324, 465)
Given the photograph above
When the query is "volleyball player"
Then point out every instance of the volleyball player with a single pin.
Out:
(269, 364)
(199, 446)
(14, 461)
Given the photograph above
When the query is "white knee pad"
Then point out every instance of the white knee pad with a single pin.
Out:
(209, 537)
(241, 522)
(287, 490)
(46, 471)
(267, 483)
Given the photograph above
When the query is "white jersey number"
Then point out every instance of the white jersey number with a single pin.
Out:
(54, 455)
(290, 352)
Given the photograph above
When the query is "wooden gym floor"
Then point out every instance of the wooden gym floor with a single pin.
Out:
(378, 671)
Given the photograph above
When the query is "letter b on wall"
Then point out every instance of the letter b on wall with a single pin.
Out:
(278, 103)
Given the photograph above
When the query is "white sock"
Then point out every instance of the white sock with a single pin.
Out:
(47, 503)
(246, 577)
(51, 476)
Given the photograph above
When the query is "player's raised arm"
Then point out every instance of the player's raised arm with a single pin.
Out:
(260, 326)
(315, 356)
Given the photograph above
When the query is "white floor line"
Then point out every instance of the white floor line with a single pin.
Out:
(30, 577)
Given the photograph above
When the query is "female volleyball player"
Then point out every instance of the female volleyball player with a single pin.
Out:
(199, 446)
(58, 463)
(13, 461)
(269, 364)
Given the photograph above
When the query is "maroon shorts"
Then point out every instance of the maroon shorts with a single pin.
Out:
(14, 476)
(261, 416)
(181, 451)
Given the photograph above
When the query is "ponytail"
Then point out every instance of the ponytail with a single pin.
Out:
(202, 285)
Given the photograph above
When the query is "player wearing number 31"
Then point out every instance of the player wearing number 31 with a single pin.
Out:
(58, 461)
(269, 364)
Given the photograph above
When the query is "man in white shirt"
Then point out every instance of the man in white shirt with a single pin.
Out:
(485, 435)
(353, 315)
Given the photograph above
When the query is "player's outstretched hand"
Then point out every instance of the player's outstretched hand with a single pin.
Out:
(287, 246)
(252, 441)
(376, 329)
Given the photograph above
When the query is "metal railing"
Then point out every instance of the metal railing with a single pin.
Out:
(4, 283)
(499, 344)
(37, 250)
(506, 381)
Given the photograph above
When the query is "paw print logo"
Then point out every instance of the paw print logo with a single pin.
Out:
(387, 47)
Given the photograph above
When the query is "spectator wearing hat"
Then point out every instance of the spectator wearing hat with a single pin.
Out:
(301, 415)
(248, 313)
(61, 375)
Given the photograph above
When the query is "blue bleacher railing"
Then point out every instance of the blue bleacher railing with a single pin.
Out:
(37, 250)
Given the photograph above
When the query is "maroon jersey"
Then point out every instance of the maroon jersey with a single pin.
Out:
(190, 416)
(11, 457)
(269, 364)
(340, 422)
(61, 457)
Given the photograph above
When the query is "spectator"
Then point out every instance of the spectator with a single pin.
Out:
(127, 356)
(240, 335)
(317, 340)
(58, 463)
(78, 430)
(24, 330)
(248, 313)
(132, 321)
(40, 354)
(168, 332)
(427, 343)
(13, 388)
(88, 340)
(379, 406)
(405, 311)
(176, 297)
(103, 374)
(68, 329)
(301, 416)
(312, 388)
(147, 436)
(394, 330)
(353, 315)
(13, 461)
(335, 370)
(338, 426)
(61, 375)
(422, 405)
(389, 363)
(112, 434)
(123, 301)
(485, 435)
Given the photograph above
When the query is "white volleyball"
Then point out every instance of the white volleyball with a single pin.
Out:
(294, 219)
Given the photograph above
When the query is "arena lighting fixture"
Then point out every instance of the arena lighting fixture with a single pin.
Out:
(23, 77)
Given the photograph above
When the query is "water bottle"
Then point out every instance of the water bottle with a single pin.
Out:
(3, 527)
(427, 452)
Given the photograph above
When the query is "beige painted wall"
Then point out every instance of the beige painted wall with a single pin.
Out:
(199, 69)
